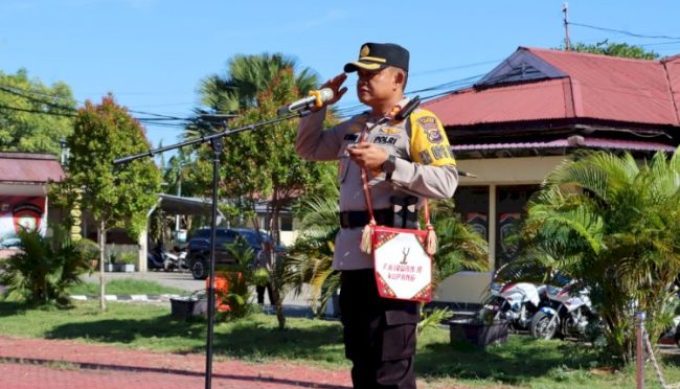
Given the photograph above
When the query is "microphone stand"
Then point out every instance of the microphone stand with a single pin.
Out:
(217, 145)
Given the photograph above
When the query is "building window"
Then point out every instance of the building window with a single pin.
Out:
(286, 222)
(511, 204)
(472, 203)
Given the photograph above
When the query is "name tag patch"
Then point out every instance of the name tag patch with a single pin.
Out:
(386, 140)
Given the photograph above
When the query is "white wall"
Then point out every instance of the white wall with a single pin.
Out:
(508, 171)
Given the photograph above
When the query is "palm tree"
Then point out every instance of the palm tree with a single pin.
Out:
(460, 246)
(253, 87)
(248, 75)
(310, 259)
(612, 223)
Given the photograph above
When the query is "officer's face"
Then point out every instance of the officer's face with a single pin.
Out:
(377, 86)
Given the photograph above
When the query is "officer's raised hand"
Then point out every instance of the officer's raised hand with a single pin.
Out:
(335, 84)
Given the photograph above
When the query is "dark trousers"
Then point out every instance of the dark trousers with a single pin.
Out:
(379, 334)
(260, 293)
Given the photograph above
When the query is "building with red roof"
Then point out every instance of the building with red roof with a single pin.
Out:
(520, 120)
(24, 180)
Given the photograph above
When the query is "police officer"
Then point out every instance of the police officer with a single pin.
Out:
(403, 159)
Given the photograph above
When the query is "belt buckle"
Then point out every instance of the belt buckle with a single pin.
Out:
(344, 219)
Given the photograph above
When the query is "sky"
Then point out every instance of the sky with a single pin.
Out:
(152, 54)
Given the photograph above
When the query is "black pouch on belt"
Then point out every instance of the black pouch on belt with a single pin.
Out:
(405, 211)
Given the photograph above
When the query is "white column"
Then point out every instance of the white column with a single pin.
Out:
(44, 222)
(143, 249)
(492, 226)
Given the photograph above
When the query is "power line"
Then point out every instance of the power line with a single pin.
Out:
(37, 111)
(471, 65)
(447, 87)
(624, 32)
(25, 93)
(167, 120)
(660, 43)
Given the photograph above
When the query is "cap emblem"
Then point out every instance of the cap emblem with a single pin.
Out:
(365, 51)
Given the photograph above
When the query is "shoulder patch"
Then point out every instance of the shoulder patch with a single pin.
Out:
(428, 122)
(431, 128)
(434, 136)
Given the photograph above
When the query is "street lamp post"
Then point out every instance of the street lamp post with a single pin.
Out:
(179, 194)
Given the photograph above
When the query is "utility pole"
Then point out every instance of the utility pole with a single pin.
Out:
(565, 11)
(179, 194)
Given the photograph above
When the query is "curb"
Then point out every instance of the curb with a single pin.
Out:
(128, 297)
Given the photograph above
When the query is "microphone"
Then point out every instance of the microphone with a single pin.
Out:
(316, 96)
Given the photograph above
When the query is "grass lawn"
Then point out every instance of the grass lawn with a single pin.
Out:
(521, 362)
(120, 287)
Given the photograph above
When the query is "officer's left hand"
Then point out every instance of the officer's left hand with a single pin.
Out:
(369, 156)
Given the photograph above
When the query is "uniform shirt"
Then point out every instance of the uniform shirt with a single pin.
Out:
(424, 167)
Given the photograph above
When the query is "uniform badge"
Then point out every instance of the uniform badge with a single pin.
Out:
(390, 130)
(428, 123)
(431, 128)
(386, 140)
(434, 136)
(425, 157)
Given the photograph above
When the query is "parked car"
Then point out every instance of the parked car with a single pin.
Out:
(198, 247)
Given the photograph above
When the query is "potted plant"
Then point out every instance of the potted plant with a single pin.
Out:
(483, 330)
(126, 262)
(110, 264)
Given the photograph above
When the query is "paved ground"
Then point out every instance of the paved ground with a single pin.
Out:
(58, 364)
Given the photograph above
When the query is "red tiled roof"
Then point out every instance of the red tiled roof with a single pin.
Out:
(595, 87)
(672, 66)
(523, 102)
(29, 168)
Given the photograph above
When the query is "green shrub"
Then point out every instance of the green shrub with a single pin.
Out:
(42, 271)
(128, 257)
(239, 277)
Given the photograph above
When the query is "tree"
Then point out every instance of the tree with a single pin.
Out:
(34, 117)
(117, 196)
(612, 224)
(246, 77)
(460, 246)
(310, 259)
(615, 50)
(262, 164)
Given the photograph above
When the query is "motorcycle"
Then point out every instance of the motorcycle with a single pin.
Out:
(155, 259)
(159, 259)
(569, 312)
(515, 302)
(176, 259)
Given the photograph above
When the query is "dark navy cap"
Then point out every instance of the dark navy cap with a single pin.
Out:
(375, 56)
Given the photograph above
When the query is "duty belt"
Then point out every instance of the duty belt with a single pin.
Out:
(354, 219)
